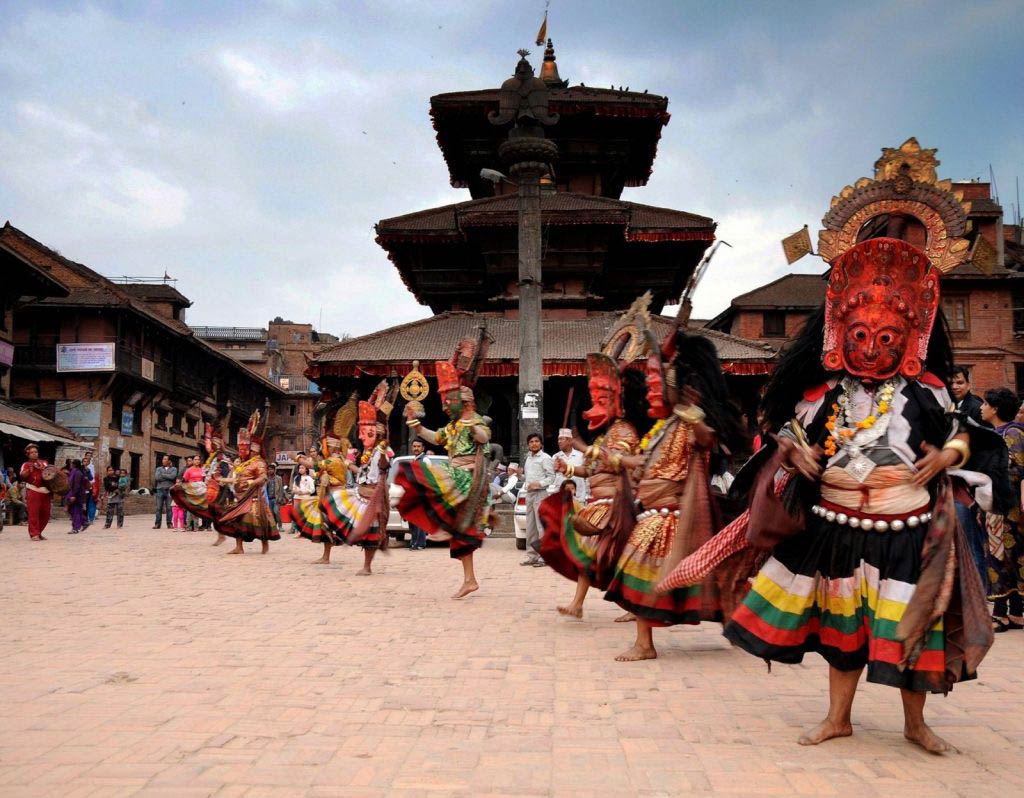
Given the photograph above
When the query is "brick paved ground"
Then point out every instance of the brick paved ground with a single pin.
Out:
(149, 663)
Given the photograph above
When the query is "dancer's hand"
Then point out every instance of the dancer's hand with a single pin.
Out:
(934, 461)
(805, 459)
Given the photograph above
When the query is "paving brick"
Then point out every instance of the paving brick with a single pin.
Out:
(145, 663)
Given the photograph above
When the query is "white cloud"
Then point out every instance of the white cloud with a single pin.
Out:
(52, 153)
(755, 257)
(283, 82)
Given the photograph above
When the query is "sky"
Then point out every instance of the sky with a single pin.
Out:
(246, 149)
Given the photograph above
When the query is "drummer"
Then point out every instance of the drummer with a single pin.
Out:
(37, 497)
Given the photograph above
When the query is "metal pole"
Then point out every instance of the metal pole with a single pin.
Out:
(531, 378)
(523, 101)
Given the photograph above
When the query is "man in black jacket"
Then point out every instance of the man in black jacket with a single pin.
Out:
(966, 402)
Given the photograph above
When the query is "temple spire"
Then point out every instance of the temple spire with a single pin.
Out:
(549, 70)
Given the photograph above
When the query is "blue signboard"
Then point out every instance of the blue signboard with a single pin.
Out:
(127, 422)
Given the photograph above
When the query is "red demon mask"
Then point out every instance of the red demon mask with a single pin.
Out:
(605, 391)
(367, 425)
(880, 307)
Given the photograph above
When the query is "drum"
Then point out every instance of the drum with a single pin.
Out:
(56, 480)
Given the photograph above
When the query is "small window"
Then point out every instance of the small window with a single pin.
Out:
(957, 315)
(1018, 313)
(161, 419)
(292, 409)
(1018, 374)
(774, 324)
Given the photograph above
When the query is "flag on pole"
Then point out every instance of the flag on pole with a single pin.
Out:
(984, 255)
(797, 245)
(542, 34)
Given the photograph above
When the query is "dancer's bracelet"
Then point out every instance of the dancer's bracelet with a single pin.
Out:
(960, 446)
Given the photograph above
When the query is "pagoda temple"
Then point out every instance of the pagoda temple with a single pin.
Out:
(599, 253)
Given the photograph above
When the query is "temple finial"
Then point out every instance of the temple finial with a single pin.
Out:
(549, 69)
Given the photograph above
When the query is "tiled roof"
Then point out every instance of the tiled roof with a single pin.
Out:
(435, 338)
(561, 207)
(789, 291)
(159, 292)
(91, 289)
(571, 95)
(23, 417)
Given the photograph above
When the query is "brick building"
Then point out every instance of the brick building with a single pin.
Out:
(280, 353)
(117, 365)
(774, 312)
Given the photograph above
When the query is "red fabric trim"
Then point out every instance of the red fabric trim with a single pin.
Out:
(815, 393)
(747, 369)
(930, 379)
(677, 235)
(550, 368)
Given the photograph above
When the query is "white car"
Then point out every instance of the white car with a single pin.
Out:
(398, 527)
(519, 521)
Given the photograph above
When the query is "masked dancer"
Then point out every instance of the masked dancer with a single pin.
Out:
(585, 546)
(359, 516)
(869, 567)
(249, 516)
(687, 397)
(452, 498)
(207, 498)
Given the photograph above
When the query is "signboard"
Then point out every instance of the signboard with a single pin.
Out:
(286, 457)
(6, 353)
(127, 423)
(147, 369)
(82, 417)
(85, 357)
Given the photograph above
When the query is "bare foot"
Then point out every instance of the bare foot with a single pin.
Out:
(572, 612)
(466, 589)
(236, 551)
(637, 653)
(825, 730)
(321, 561)
(220, 539)
(626, 618)
(266, 548)
(927, 739)
(364, 572)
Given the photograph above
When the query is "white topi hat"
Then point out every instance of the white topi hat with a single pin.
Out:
(565, 432)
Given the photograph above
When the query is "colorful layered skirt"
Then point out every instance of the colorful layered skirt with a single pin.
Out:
(249, 518)
(204, 499)
(841, 592)
(570, 553)
(309, 520)
(343, 509)
(434, 499)
(640, 568)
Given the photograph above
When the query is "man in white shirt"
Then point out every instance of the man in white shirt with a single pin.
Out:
(571, 457)
(538, 474)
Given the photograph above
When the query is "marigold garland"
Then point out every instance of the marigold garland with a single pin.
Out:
(836, 423)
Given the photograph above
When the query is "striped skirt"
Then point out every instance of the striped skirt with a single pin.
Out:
(640, 568)
(568, 552)
(341, 510)
(841, 592)
(309, 520)
(204, 499)
(248, 519)
(434, 495)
